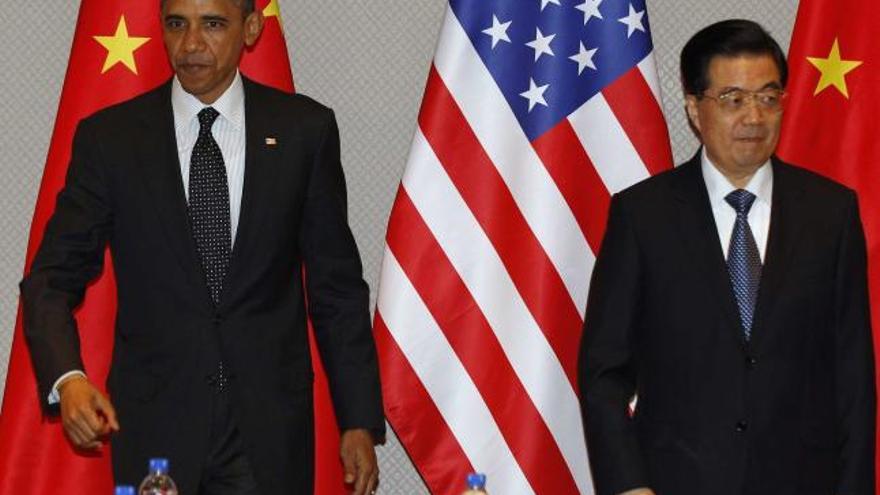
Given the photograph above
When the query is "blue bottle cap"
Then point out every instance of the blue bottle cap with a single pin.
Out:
(159, 464)
(124, 490)
(476, 481)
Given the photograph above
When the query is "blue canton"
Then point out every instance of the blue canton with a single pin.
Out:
(550, 56)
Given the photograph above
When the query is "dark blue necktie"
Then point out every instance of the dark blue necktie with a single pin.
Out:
(743, 259)
(209, 205)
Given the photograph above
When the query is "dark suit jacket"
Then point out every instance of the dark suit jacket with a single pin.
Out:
(124, 188)
(790, 412)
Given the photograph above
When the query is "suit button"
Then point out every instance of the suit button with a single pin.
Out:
(741, 426)
(751, 361)
(218, 320)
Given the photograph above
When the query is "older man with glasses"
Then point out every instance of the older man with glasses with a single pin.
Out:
(730, 297)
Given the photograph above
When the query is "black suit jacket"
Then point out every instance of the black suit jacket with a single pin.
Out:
(124, 188)
(792, 411)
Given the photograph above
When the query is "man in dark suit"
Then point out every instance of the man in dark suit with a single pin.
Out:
(730, 298)
(212, 192)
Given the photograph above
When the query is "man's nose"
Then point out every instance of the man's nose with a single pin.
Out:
(193, 40)
(753, 111)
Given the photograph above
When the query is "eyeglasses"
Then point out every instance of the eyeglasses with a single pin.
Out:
(734, 100)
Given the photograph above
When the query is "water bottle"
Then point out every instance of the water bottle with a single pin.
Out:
(476, 484)
(124, 490)
(158, 482)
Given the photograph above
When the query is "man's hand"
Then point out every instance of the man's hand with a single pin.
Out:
(639, 491)
(87, 415)
(359, 461)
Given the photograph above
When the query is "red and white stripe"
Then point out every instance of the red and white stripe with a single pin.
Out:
(490, 247)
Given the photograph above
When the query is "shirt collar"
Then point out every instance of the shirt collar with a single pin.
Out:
(230, 105)
(718, 187)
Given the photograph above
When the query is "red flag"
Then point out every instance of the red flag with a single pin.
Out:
(117, 53)
(830, 124)
(525, 132)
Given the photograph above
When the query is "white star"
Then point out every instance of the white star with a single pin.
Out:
(590, 8)
(535, 94)
(633, 21)
(541, 44)
(584, 58)
(498, 31)
(545, 2)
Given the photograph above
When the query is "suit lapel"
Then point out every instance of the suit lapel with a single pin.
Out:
(157, 151)
(785, 226)
(262, 155)
(700, 235)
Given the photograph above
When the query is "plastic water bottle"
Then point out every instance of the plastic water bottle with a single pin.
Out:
(124, 490)
(158, 482)
(476, 484)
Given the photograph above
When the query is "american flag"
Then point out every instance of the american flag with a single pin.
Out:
(535, 113)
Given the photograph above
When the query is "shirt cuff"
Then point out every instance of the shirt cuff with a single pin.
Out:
(54, 396)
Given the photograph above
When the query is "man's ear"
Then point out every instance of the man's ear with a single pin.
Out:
(253, 26)
(693, 112)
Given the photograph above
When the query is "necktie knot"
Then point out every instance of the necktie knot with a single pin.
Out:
(741, 201)
(207, 116)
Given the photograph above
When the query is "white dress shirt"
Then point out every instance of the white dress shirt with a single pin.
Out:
(229, 132)
(718, 187)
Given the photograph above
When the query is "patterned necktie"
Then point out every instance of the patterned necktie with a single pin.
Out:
(743, 259)
(209, 205)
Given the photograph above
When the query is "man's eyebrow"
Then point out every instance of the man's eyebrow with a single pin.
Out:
(769, 85)
(213, 18)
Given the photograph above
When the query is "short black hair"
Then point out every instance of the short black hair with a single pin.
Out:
(731, 38)
(247, 6)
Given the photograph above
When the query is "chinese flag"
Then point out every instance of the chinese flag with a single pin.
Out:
(833, 111)
(117, 53)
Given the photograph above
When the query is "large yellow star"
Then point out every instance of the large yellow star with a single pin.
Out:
(833, 70)
(120, 47)
(272, 10)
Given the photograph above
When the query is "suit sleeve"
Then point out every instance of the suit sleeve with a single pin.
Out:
(854, 361)
(70, 255)
(606, 363)
(338, 296)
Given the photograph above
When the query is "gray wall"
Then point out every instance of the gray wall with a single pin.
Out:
(367, 60)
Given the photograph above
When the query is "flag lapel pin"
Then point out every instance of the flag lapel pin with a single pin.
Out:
(271, 141)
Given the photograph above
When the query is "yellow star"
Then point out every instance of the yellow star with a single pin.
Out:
(120, 47)
(833, 70)
(272, 10)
